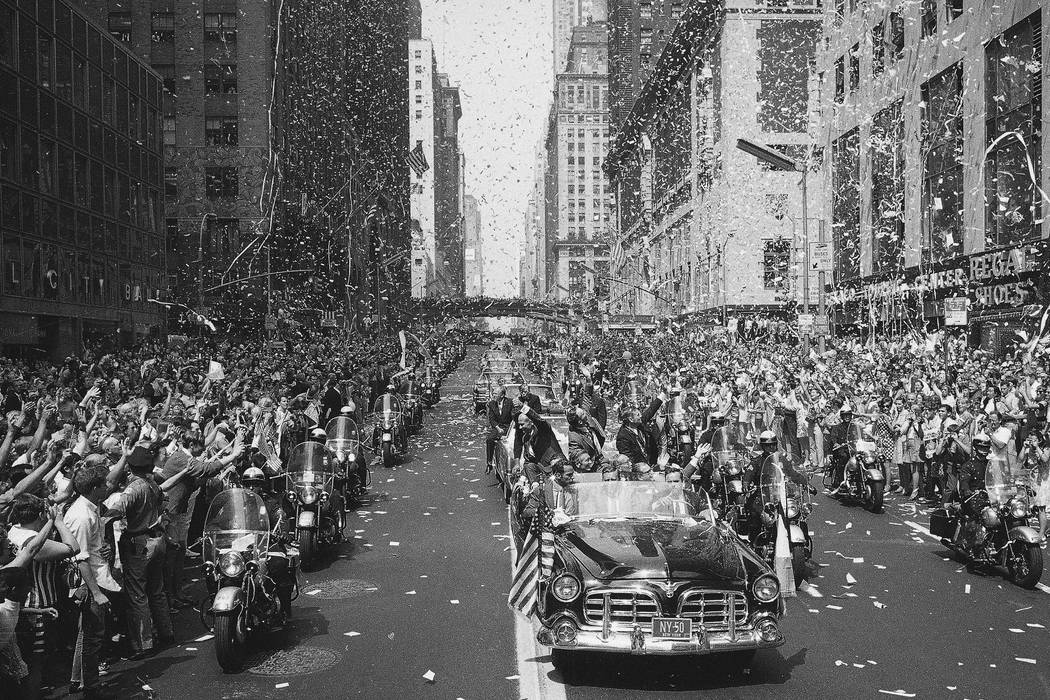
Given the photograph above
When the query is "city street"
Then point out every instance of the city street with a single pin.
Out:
(420, 589)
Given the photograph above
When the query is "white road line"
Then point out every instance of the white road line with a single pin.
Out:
(533, 681)
(1043, 587)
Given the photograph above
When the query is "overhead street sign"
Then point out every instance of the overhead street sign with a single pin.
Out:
(955, 311)
(805, 323)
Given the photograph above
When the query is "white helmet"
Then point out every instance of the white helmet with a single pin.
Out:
(319, 433)
(253, 475)
(768, 437)
(347, 410)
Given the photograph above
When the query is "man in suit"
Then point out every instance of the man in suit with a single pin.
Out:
(586, 439)
(556, 492)
(331, 401)
(635, 439)
(536, 445)
(500, 413)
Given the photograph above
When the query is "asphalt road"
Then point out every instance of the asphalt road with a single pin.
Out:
(421, 587)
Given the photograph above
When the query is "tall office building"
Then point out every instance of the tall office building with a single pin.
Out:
(638, 31)
(473, 250)
(449, 166)
(264, 153)
(80, 205)
(569, 14)
(577, 210)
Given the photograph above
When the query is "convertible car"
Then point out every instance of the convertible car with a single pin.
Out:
(487, 384)
(645, 567)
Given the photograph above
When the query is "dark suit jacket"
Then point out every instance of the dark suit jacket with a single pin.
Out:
(639, 445)
(330, 405)
(499, 418)
(543, 445)
(599, 411)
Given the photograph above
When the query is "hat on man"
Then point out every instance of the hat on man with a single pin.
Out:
(141, 457)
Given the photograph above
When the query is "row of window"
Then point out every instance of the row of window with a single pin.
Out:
(219, 183)
(587, 96)
(579, 233)
(218, 27)
(583, 188)
(596, 161)
(219, 78)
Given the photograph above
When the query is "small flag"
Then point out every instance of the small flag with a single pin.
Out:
(417, 159)
(618, 258)
(535, 563)
(215, 371)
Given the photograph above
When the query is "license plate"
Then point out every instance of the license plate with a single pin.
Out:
(672, 627)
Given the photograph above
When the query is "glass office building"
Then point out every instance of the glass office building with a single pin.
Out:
(81, 225)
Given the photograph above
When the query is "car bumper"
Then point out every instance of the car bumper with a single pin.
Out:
(642, 643)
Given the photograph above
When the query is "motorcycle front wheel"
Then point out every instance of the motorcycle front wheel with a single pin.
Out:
(798, 563)
(307, 546)
(1024, 564)
(875, 495)
(230, 641)
(388, 455)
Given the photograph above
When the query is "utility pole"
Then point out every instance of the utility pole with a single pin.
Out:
(822, 308)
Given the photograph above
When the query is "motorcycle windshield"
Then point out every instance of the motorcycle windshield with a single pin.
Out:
(311, 464)
(856, 432)
(728, 462)
(343, 434)
(410, 390)
(676, 410)
(237, 522)
(387, 408)
(1000, 481)
(772, 482)
(723, 440)
(634, 394)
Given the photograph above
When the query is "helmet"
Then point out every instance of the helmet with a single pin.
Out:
(346, 410)
(253, 476)
(981, 440)
(717, 419)
(319, 433)
(767, 437)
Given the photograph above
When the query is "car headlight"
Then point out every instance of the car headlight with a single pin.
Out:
(231, 564)
(990, 518)
(792, 509)
(566, 588)
(1018, 508)
(766, 588)
(308, 495)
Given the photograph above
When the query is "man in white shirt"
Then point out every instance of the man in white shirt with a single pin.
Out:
(85, 524)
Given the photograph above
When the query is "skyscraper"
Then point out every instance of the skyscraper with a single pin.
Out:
(569, 14)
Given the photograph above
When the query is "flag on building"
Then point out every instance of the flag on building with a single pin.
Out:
(535, 563)
(417, 159)
(617, 259)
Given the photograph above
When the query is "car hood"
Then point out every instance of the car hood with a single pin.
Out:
(667, 549)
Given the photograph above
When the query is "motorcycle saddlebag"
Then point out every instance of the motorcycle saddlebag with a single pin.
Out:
(942, 523)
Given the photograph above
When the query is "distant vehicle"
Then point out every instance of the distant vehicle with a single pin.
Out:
(549, 400)
(487, 383)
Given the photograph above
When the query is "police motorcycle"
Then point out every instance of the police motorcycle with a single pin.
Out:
(412, 394)
(389, 437)
(730, 464)
(318, 507)
(864, 478)
(781, 511)
(679, 428)
(242, 572)
(993, 529)
(344, 441)
(431, 387)
(635, 394)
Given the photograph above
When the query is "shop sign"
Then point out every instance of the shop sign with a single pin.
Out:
(805, 323)
(955, 311)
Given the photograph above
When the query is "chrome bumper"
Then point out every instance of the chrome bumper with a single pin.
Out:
(640, 642)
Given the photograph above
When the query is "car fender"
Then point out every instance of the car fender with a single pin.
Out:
(1024, 533)
(875, 475)
(227, 599)
(306, 518)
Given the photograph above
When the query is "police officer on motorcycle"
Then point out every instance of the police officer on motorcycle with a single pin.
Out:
(767, 442)
(280, 566)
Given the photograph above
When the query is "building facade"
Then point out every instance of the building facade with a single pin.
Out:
(569, 14)
(424, 126)
(577, 208)
(931, 120)
(705, 229)
(450, 169)
(638, 31)
(81, 181)
(280, 119)
(473, 249)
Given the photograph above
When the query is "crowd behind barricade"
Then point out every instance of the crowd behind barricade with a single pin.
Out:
(940, 414)
(107, 463)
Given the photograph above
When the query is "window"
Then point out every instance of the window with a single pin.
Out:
(1013, 79)
(878, 48)
(645, 40)
(419, 114)
(840, 79)
(225, 236)
(676, 11)
(220, 78)
(419, 99)
(955, 9)
(163, 25)
(896, 35)
(220, 183)
(845, 206)
(854, 68)
(419, 69)
(220, 131)
(419, 85)
(169, 130)
(886, 151)
(645, 10)
(221, 27)
(120, 26)
(776, 258)
(171, 184)
(929, 17)
(166, 71)
(418, 55)
(942, 177)
(8, 44)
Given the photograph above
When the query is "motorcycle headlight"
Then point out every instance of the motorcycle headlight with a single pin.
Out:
(1017, 508)
(566, 587)
(869, 458)
(683, 427)
(792, 509)
(766, 588)
(308, 495)
(990, 518)
(734, 469)
(351, 457)
(231, 564)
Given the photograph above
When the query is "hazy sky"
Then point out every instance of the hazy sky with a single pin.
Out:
(499, 53)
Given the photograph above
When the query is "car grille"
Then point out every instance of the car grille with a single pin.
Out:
(712, 608)
(626, 607)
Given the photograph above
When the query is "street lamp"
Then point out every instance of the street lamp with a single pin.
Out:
(778, 161)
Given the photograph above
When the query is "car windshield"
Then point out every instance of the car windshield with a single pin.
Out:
(632, 499)
(543, 391)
